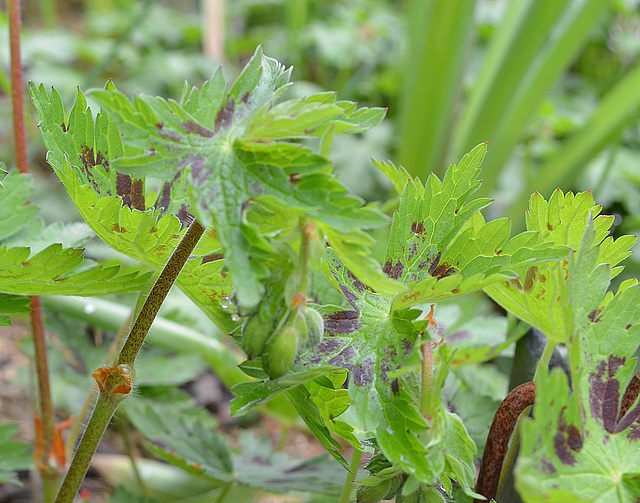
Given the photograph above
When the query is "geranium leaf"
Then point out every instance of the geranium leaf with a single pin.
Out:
(239, 154)
(539, 296)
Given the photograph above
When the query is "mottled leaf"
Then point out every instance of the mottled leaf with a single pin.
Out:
(237, 154)
(440, 245)
(539, 295)
(580, 446)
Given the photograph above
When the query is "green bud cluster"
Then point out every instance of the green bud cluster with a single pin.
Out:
(278, 344)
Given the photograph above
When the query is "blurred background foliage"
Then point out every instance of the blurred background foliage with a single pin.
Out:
(552, 85)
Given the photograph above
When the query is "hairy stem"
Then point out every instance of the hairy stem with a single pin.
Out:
(347, 489)
(115, 382)
(158, 293)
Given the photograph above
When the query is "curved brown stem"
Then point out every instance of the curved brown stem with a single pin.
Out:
(630, 395)
(504, 422)
(498, 440)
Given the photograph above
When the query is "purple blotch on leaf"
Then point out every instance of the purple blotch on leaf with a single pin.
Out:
(225, 115)
(342, 322)
(194, 127)
(393, 271)
(604, 393)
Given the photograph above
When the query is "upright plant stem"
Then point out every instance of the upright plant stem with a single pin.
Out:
(48, 473)
(426, 395)
(17, 96)
(111, 396)
(351, 476)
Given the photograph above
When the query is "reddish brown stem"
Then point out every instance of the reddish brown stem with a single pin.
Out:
(42, 371)
(498, 440)
(17, 94)
(47, 432)
(630, 395)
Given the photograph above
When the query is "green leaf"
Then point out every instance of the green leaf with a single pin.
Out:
(147, 236)
(194, 447)
(235, 155)
(582, 435)
(17, 214)
(374, 344)
(53, 272)
(441, 247)
(12, 304)
(539, 296)
(13, 455)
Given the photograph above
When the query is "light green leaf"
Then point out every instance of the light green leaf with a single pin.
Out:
(441, 247)
(579, 446)
(539, 296)
(53, 272)
(147, 236)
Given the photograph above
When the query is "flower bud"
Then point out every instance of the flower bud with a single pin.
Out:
(315, 326)
(255, 333)
(281, 352)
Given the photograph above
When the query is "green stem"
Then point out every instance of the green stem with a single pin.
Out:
(110, 397)
(347, 489)
(158, 293)
(545, 359)
(427, 380)
(102, 413)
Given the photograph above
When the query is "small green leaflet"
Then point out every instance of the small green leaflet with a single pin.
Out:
(226, 146)
(539, 294)
(440, 245)
(13, 455)
(580, 446)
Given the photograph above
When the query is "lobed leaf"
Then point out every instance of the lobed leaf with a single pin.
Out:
(440, 245)
(580, 446)
(235, 155)
(191, 445)
(539, 295)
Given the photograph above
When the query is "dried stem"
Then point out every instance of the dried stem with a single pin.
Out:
(498, 440)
